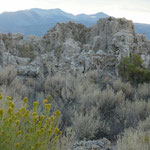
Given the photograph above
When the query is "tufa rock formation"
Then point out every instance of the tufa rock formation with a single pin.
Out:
(102, 144)
(70, 47)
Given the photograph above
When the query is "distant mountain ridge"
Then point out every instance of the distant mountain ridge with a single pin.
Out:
(143, 28)
(38, 21)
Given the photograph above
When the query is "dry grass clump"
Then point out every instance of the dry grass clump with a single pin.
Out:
(85, 125)
(143, 91)
(106, 105)
(67, 140)
(93, 76)
(64, 92)
(10, 84)
(129, 114)
(134, 140)
(145, 125)
(34, 88)
(16, 87)
(126, 88)
(7, 75)
(137, 138)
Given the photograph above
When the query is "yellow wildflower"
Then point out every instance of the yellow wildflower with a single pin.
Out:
(17, 122)
(8, 136)
(50, 131)
(35, 104)
(42, 117)
(1, 113)
(25, 99)
(36, 118)
(10, 120)
(23, 110)
(10, 110)
(19, 132)
(56, 130)
(47, 106)
(51, 118)
(34, 113)
(58, 113)
(8, 98)
(11, 104)
(31, 129)
(3, 132)
(1, 96)
(38, 132)
(60, 132)
(26, 114)
(17, 145)
(45, 101)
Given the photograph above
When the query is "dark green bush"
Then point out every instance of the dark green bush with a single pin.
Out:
(27, 50)
(131, 69)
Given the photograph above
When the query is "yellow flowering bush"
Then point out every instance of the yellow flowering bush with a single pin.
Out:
(25, 129)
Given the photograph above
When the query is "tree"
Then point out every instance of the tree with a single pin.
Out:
(131, 69)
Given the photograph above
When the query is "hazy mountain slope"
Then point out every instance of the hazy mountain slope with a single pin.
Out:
(19, 18)
(143, 28)
(37, 21)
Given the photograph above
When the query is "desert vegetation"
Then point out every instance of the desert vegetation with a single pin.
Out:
(21, 128)
(131, 69)
(91, 108)
(26, 50)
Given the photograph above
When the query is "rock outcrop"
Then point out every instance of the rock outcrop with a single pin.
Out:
(102, 144)
(71, 47)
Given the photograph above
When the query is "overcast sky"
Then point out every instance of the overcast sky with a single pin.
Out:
(136, 10)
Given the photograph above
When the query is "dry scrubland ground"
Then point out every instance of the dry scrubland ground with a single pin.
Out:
(92, 108)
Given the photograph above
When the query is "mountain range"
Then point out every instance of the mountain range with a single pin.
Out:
(38, 21)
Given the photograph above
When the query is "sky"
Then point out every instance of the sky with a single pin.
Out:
(136, 10)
